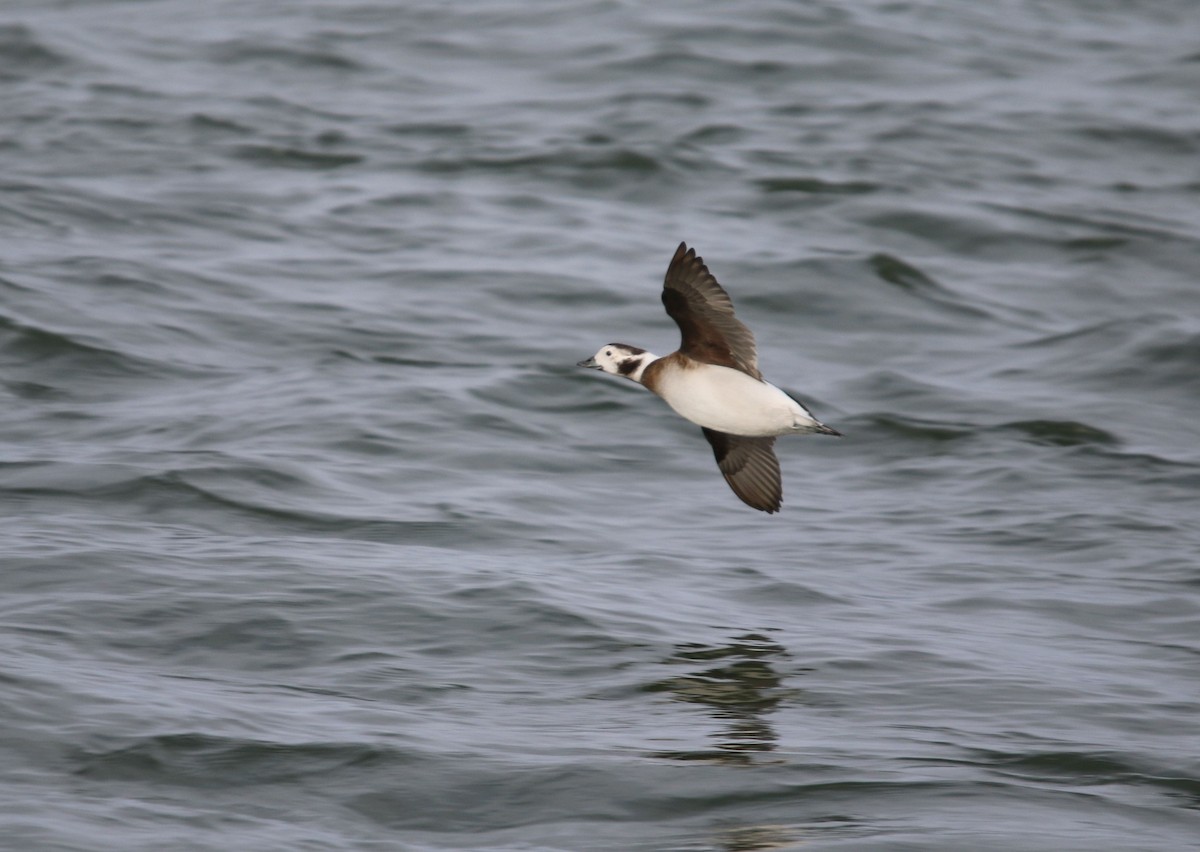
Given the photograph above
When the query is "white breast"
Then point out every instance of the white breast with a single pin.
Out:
(728, 400)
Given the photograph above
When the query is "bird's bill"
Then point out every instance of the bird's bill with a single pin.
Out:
(590, 363)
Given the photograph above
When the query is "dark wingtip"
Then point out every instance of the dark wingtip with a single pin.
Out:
(756, 502)
(822, 429)
(768, 506)
(759, 502)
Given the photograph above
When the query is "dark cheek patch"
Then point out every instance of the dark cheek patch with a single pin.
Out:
(628, 366)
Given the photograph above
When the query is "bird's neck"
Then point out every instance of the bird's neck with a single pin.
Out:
(636, 368)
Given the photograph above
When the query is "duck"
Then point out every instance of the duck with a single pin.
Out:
(713, 381)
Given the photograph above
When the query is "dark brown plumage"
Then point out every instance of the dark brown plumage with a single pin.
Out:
(704, 313)
(750, 467)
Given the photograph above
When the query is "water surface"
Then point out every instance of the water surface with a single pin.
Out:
(312, 537)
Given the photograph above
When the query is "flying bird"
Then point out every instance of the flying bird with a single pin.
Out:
(713, 380)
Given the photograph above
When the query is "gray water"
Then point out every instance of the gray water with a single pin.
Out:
(312, 536)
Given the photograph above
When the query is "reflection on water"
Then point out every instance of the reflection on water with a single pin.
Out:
(754, 838)
(759, 838)
(741, 687)
(740, 691)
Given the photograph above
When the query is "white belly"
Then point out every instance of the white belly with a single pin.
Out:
(728, 400)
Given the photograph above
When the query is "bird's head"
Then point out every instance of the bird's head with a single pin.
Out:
(620, 359)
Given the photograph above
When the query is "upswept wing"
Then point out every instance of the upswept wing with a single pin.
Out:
(704, 313)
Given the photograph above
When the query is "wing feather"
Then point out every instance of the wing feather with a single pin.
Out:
(704, 313)
(750, 467)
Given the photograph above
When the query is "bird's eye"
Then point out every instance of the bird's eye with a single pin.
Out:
(608, 352)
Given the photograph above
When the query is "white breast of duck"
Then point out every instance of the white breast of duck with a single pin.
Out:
(726, 399)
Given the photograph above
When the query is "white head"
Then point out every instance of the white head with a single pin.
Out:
(620, 359)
